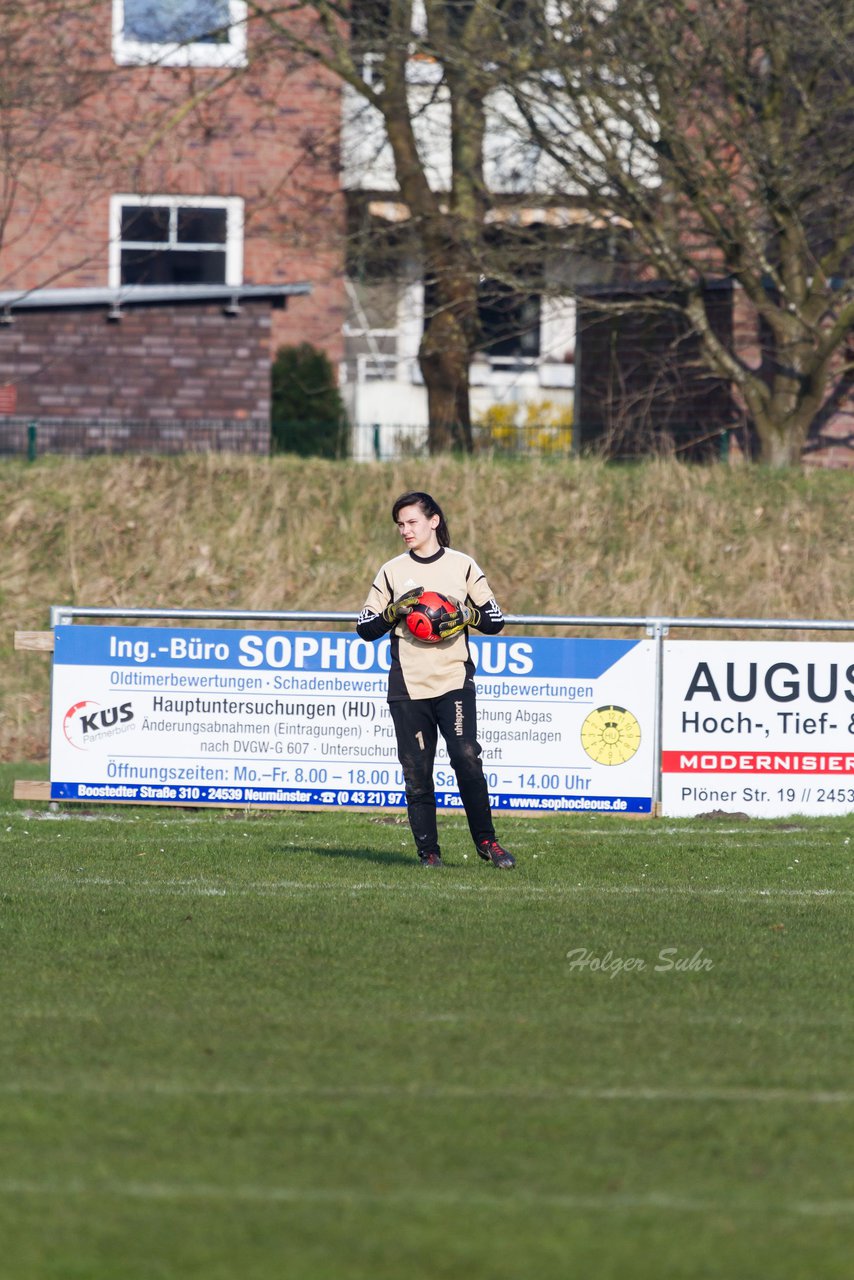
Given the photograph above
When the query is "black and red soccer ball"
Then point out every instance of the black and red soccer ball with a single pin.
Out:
(432, 609)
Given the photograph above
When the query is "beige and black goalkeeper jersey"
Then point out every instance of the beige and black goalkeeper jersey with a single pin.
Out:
(421, 670)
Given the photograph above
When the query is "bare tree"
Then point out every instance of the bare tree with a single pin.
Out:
(721, 133)
(419, 77)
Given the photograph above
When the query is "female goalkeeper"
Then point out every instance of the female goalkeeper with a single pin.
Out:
(431, 686)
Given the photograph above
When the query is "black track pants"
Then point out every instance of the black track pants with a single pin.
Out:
(417, 723)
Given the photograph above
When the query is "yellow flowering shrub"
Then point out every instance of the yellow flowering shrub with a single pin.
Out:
(536, 427)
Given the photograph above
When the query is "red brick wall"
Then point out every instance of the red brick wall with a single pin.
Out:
(177, 376)
(268, 133)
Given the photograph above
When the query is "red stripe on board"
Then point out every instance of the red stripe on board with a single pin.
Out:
(776, 762)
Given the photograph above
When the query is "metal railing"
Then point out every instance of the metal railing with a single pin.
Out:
(87, 437)
(361, 441)
(656, 627)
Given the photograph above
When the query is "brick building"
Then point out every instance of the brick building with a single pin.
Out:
(171, 144)
(156, 368)
(175, 150)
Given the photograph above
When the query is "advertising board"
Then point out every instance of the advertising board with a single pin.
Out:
(299, 718)
(761, 728)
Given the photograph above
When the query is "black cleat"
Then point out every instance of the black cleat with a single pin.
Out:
(430, 860)
(491, 851)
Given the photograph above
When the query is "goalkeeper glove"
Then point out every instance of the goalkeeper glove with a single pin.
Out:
(466, 615)
(403, 605)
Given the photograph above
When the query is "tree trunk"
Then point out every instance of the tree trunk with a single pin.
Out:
(779, 445)
(444, 359)
(797, 390)
(779, 380)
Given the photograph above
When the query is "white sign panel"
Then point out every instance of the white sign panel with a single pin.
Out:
(761, 728)
(300, 718)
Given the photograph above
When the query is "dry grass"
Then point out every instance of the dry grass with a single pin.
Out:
(554, 537)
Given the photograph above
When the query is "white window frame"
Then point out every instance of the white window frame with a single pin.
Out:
(128, 52)
(233, 246)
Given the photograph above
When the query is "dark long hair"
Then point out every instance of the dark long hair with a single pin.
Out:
(430, 507)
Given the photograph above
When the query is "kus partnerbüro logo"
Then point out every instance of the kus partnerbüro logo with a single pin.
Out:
(87, 722)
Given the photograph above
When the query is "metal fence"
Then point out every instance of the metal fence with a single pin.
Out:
(79, 437)
(655, 627)
(363, 442)
(377, 441)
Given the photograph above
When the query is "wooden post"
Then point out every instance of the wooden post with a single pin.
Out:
(38, 642)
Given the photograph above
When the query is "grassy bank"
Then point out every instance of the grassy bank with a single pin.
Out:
(233, 532)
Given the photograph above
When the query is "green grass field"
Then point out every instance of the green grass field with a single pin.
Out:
(270, 1046)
